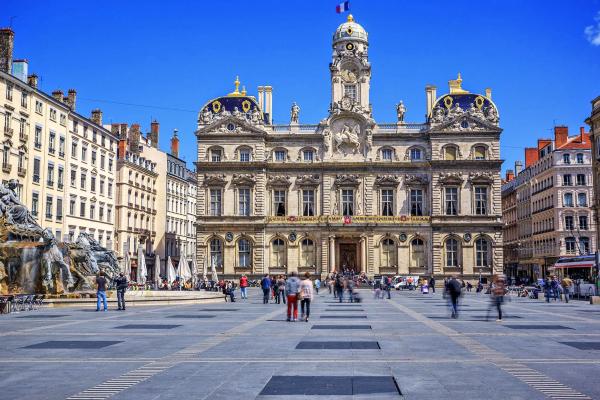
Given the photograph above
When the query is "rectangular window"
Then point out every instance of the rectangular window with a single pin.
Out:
(101, 186)
(109, 214)
(568, 200)
(350, 91)
(416, 202)
(93, 184)
(83, 153)
(61, 146)
(308, 202)
(36, 170)
(102, 159)
(74, 150)
(37, 139)
(52, 142)
(567, 180)
(52, 114)
(279, 155)
(244, 156)
(49, 207)
(82, 209)
(386, 154)
(9, 91)
(566, 159)
(94, 157)
(279, 202)
(581, 200)
(60, 179)
(110, 164)
(481, 200)
(215, 202)
(347, 202)
(215, 155)
(308, 155)
(583, 222)
(50, 175)
(23, 99)
(569, 222)
(579, 158)
(39, 108)
(73, 177)
(92, 211)
(415, 154)
(581, 179)
(387, 202)
(451, 200)
(244, 201)
(7, 120)
(35, 204)
(59, 212)
(570, 245)
(101, 213)
(110, 186)
(83, 180)
(72, 207)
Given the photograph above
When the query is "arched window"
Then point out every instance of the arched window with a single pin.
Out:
(244, 154)
(482, 252)
(216, 253)
(279, 155)
(450, 153)
(307, 250)
(215, 154)
(387, 154)
(417, 253)
(244, 253)
(388, 253)
(451, 250)
(479, 152)
(416, 154)
(278, 256)
(308, 155)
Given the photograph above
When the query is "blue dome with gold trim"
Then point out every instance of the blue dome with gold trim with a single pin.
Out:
(464, 99)
(235, 100)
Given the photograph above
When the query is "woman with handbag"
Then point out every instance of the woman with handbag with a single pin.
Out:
(305, 296)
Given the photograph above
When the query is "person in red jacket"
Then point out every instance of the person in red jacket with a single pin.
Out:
(244, 286)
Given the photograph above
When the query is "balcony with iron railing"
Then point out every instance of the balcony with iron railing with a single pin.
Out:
(23, 137)
(21, 172)
(6, 167)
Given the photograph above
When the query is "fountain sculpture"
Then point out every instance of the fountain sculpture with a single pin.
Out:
(31, 259)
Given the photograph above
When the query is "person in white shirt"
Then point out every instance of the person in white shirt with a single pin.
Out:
(306, 294)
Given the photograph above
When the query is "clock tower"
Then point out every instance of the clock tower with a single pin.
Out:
(350, 68)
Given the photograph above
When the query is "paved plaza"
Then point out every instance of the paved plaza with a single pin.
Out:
(406, 347)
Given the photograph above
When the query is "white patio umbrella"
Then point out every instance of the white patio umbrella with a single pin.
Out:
(142, 271)
(194, 270)
(183, 269)
(215, 277)
(157, 270)
(204, 269)
(170, 271)
(127, 266)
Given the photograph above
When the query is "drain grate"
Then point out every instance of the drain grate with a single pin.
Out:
(584, 345)
(73, 344)
(358, 345)
(341, 327)
(146, 326)
(537, 327)
(330, 386)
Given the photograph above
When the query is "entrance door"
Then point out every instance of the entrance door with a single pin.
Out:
(348, 257)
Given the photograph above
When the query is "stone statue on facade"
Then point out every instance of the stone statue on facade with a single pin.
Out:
(348, 136)
(294, 113)
(255, 116)
(368, 141)
(400, 111)
(492, 115)
(326, 139)
(206, 116)
(236, 112)
(437, 115)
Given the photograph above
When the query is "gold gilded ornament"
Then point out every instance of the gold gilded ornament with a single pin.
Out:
(479, 102)
(245, 105)
(448, 102)
(216, 106)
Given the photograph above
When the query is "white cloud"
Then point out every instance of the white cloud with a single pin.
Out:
(592, 32)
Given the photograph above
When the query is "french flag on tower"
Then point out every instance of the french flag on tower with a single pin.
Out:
(340, 8)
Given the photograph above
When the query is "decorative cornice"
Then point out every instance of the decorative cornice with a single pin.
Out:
(244, 179)
(308, 180)
(278, 180)
(481, 177)
(387, 180)
(215, 180)
(416, 179)
(446, 178)
(346, 180)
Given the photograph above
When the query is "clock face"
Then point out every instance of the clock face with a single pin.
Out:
(230, 127)
(349, 46)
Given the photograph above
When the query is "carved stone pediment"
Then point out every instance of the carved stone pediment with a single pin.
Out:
(215, 180)
(346, 180)
(230, 124)
(278, 180)
(308, 180)
(447, 178)
(481, 177)
(244, 179)
(416, 179)
(387, 180)
(472, 119)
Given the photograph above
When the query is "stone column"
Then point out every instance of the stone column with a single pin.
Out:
(331, 253)
(363, 254)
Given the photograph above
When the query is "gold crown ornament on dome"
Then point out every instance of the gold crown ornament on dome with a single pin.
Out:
(456, 86)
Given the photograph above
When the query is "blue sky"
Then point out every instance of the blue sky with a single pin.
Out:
(164, 60)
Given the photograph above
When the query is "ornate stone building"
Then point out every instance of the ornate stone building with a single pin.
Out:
(394, 198)
(594, 122)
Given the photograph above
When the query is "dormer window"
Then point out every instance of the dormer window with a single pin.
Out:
(416, 154)
(479, 153)
(308, 155)
(450, 153)
(215, 155)
(386, 154)
(279, 155)
(245, 155)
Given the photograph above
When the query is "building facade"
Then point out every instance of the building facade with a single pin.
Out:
(594, 123)
(553, 197)
(349, 192)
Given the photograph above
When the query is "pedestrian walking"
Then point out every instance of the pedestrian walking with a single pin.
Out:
(454, 291)
(317, 285)
(121, 283)
(306, 296)
(101, 291)
(432, 284)
(276, 294)
(350, 288)
(265, 285)
(497, 293)
(244, 287)
(339, 288)
(292, 287)
(547, 289)
(566, 283)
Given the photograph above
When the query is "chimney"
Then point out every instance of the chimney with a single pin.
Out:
(20, 69)
(430, 93)
(32, 80)
(531, 156)
(543, 143)
(58, 95)
(72, 98)
(510, 175)
(175, 144)
(134, 138)
(269, 103)
(518, 167)
(561, 135)
(7, 42)
(488, 93)
(154, 128)
(123, 131)
(97, 116)
(582, 134)
(261, 98)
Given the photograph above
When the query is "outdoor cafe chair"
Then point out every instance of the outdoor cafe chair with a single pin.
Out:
(39, 300)
(18, 303)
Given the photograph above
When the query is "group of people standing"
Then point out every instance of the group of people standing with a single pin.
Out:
(290, 291)
(338, 284)
(554, 288)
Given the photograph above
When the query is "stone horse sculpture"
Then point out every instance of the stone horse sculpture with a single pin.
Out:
(347, 136)
(90, 257)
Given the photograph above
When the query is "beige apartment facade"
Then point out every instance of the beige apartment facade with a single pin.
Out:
(348, 192)
(594, 123)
